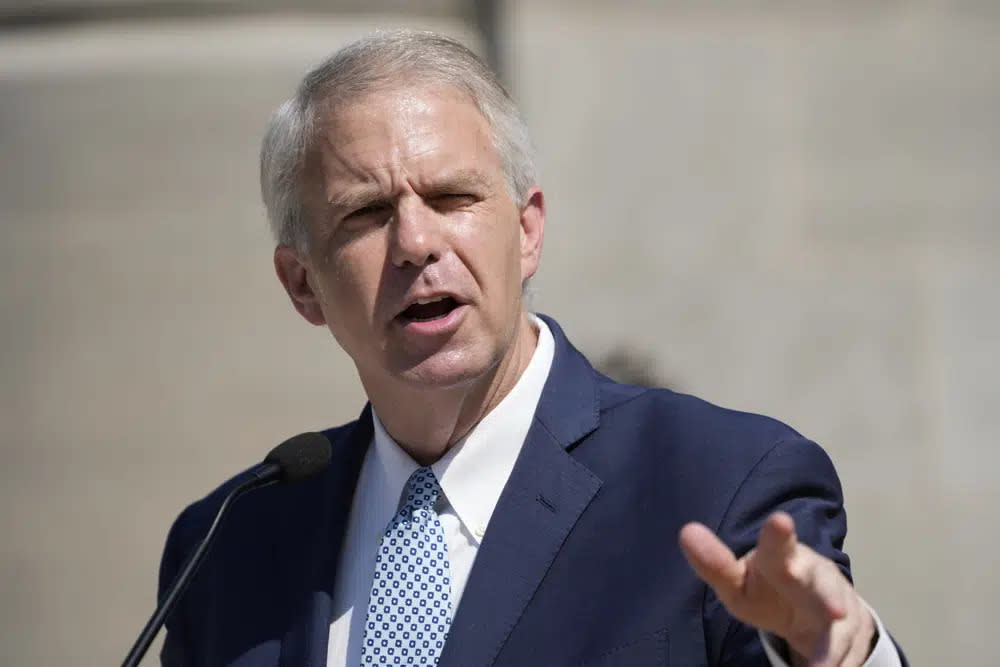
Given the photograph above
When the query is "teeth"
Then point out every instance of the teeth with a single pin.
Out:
(421, 302)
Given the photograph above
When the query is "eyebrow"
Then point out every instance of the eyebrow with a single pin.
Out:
(354, 199)
(360, 197)
(460, 179)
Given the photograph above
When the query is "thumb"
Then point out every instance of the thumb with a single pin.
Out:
(712, 560)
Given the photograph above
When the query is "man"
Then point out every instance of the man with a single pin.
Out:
(498, 502)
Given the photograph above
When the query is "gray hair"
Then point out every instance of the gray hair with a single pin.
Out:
(379, 61)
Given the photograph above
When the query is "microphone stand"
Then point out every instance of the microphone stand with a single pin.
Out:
(267, 474)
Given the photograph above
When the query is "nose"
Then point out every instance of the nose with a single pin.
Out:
(416, 237)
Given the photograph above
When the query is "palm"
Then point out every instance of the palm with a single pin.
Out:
(759, 603)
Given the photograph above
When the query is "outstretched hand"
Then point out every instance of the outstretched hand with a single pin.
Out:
(787, 589)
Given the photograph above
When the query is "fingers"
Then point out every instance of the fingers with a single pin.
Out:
(777, 537)
(712, 561)
(807, 579)
(787, 588)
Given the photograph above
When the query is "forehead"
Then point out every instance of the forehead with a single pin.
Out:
(402, 132)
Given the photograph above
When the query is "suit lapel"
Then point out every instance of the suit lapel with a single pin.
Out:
(305, 642)
(546, 494)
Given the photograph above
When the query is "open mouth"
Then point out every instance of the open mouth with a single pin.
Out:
(428, 310)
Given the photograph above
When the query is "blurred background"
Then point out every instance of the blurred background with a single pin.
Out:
(784, 207)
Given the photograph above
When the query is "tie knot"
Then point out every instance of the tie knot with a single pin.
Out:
(422, 490)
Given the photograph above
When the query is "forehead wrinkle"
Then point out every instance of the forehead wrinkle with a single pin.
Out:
(349, 183)
(366, 186)
(359, 172)
(363, 185)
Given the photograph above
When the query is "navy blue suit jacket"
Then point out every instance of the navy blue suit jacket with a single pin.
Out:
(580, 564)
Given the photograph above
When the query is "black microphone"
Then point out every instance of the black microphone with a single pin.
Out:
(294, 460)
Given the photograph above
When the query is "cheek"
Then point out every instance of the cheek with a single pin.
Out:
(497, 233)
(353, 275)
(492, 255)
(347, 307)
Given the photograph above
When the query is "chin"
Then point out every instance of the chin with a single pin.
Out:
(446, 371)
(435, 378)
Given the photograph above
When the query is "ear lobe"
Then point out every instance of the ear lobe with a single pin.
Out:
(294, 277)
(532, 232)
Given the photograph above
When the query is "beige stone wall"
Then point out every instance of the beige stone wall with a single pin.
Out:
(789, 209)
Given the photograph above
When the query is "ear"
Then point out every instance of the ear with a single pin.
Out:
(532, 232)
(294, 276)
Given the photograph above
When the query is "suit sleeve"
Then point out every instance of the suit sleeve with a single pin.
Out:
(795, 476)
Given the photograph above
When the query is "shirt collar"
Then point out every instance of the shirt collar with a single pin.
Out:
(474, 471)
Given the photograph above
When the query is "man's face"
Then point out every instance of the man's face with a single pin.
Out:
(418, 253)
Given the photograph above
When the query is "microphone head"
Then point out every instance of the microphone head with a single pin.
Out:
(300, 457)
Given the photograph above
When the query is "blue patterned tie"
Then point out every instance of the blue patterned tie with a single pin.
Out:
(409, 610)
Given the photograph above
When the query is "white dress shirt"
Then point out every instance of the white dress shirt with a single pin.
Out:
(472, 475)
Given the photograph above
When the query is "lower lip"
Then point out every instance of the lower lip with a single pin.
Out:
(443, 325)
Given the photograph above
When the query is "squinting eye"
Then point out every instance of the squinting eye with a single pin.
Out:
(453, 200)
(365, 210)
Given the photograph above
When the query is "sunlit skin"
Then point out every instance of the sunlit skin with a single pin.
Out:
(407, 199)
(786, 588)
(411, 201)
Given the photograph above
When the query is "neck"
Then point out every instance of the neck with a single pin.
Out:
(426, 423)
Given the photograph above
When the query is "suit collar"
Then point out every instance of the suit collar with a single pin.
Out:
(547, 493)
(570, 407)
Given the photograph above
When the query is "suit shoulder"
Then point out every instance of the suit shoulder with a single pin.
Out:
(671, 443)
(194, 520)
(690, 427)
(684, 411)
